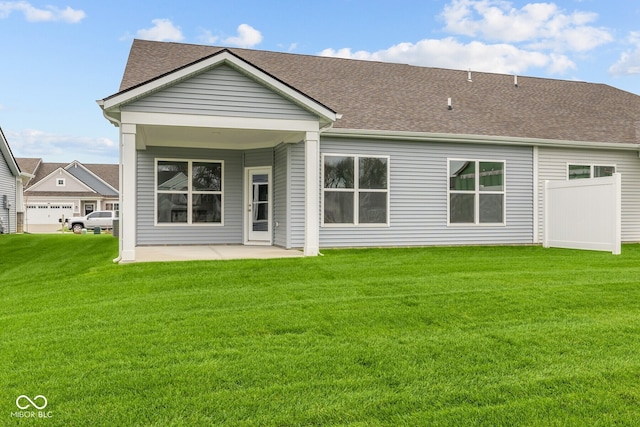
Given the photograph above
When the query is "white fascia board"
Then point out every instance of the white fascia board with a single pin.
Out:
(6, 153)
(35, 186)
(223, 57)
(222, 122)
(476, 139)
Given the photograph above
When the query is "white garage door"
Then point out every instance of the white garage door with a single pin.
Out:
(48, 214)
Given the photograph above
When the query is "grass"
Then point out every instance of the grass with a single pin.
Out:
(495, 336)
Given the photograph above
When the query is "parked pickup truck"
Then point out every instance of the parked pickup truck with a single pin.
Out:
(102, 219)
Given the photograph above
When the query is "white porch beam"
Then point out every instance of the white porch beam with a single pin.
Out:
(127, 192)
(222, 122)
(312, 194)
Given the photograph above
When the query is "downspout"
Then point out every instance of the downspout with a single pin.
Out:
(320, 131)
(117, 124)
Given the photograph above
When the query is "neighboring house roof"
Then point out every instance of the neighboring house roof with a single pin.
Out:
(7, 155)
(29, 164)
(380, 96)
(102, 178)
(96, 179)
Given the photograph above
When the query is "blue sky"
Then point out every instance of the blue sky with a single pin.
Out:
(59, 57)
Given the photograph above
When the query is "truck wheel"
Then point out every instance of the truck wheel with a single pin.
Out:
(77, 228)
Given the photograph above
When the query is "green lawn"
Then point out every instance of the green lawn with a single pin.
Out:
(495, 336)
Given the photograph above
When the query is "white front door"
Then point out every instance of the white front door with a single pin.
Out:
(258, 206)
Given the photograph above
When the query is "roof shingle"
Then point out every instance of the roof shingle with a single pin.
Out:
(398, 97)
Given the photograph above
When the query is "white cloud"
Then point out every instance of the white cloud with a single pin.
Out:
(53, 147)
(495, 36)
(247, 37)
(450, 53)
(207, 38)
(49, 14)
(540, 25)
(629, 62)
(162, 30)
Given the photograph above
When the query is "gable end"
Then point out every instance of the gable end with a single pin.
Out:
(220, 91)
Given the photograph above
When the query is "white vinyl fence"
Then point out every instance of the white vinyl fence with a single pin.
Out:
(583, 214)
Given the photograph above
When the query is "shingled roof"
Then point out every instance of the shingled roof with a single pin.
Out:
(403, 98)
(109, 173)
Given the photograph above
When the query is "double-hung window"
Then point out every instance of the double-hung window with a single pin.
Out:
(476, 192)
(576, 171)
(355, 190)
(189, 192)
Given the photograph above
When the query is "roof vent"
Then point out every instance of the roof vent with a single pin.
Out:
(515, 80)
(469, 76)
(449, 106)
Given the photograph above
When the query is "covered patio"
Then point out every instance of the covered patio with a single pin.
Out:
(211, 252)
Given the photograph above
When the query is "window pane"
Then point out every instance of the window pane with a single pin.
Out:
(172, 208)
(207, 176)
(207, 208)
(373, 173)
(462, 208)
(373, 208)
(338, 207)
(338, 172)
(600, 171)
(172, 175)
(491, 176)
(579, 171)
(462, 175)
(491, 208)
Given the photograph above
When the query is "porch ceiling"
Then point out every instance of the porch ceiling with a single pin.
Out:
(202, 137)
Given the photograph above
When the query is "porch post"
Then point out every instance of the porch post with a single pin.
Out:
(312, 194)
(127, 192)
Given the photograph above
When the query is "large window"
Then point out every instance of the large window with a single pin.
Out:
(189, 192)
(576, 171)
(355, 190)
(476, 192)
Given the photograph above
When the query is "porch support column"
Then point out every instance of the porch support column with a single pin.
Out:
(312, 194)
(127, 192)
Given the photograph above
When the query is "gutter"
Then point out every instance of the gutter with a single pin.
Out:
(475, 139)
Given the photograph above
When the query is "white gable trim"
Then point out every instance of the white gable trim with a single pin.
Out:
(8, 155)
(64, 174)
(223, 57)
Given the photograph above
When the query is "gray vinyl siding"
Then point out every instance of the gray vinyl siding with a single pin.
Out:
(221, 91)
(229, 233)
(257, 158)
(8, 188)
(280, 190)
(93, 182)
(296, 194)
(418, 195)
(552, 165)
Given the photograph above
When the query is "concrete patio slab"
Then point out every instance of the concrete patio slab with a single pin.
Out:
(212, 252)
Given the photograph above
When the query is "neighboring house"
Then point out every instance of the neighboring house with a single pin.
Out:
(236, 146)
(63, 190)
(10, 189)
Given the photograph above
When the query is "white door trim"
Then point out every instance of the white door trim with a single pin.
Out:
(251, 237)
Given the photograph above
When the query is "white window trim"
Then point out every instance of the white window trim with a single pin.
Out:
(189, 192)
(355, 191)
(591, 167)
(60, 182)
(477, 192)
